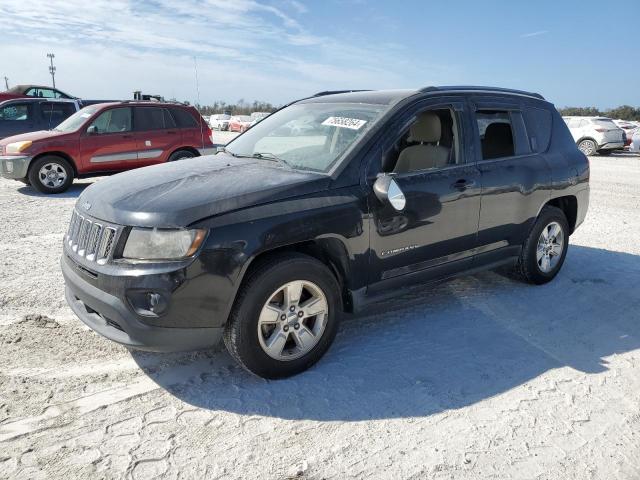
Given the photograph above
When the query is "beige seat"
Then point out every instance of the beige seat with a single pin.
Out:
(427, 130)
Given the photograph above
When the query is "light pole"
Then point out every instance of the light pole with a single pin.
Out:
(52, 69)
(6, 82)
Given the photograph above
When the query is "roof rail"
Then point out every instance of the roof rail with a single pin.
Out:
(475, 88)
(335, 92)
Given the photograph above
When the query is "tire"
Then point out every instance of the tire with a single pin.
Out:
(181, 155)
(58, 181)
(530, 266)
(588, 147)
(261, 315)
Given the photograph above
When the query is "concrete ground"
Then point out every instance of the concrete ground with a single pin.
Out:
(480, 377)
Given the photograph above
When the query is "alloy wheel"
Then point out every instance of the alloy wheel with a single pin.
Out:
(550, 247)
(293, 320)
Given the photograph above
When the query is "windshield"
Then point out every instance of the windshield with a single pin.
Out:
(307, 136)
(75, 121)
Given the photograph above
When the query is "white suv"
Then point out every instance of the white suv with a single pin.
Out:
(595, 134)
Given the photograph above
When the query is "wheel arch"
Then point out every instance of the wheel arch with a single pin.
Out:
(64, 155)
(569, 205)
(582, 139)
(187, 149)
(330, 251)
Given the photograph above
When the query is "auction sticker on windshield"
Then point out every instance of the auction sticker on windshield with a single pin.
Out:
(344, 122)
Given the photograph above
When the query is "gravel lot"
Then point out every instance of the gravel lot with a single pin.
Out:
(480, 377)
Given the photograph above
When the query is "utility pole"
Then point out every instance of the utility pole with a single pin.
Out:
(6, 82)
(52, 69)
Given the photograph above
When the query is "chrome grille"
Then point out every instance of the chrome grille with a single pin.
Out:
(91, 239)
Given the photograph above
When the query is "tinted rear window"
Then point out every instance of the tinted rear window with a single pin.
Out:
(538, 121)
(183, 117)
(153, 118)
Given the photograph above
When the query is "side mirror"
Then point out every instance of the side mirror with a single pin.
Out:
(92, 130)
(387, 190)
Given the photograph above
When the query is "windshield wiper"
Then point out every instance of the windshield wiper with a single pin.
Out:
(271, 156)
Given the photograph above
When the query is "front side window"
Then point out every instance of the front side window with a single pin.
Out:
(431, 142)
(496, 134)
(308, 136)
(114, 120)
(15, 112)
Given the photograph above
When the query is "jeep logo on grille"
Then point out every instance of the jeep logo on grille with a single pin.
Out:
(86, 205)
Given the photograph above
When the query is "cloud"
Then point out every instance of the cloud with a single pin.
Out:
(534, 34)
(109, 48)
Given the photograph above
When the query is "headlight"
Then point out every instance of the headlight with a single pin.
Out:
(17, 147)
(162, 244)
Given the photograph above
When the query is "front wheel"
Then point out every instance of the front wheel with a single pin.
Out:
(545, 249)
(50, 174)
(285, 317)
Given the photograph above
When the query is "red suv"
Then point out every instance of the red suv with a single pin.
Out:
(102, 139)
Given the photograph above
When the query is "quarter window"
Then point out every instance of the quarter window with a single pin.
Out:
(496, 134)
(15, 112)
(113, 121)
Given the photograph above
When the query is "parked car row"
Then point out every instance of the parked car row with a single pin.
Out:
(99, 139)
(236, 123)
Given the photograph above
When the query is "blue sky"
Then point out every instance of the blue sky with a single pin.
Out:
(280, 50)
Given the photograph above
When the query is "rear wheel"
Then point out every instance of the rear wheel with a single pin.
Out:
(180, 155)
(545, 249)
(588, 147)
(285, 317)
(50, 174)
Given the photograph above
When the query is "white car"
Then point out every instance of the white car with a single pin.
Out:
(595, 134)
(635, 142)
(219, 121)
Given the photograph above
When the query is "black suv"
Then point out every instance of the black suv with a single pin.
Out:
(268, 242)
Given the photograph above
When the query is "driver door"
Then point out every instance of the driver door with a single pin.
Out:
(435, 234)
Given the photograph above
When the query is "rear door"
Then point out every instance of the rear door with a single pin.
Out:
(514, 173)
(112, 145)
(156, 134)
(17, 117)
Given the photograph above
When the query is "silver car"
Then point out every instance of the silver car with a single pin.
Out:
(595, 134)
(219, 121)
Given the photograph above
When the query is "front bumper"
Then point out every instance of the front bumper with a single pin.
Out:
(14, 166)
(112, 317)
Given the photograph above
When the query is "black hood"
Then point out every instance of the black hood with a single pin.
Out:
(180, 193)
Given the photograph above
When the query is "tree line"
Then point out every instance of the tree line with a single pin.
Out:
(238, 108)
(624, 112)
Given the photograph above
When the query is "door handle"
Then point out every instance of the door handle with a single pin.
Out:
(462, 184)
(171, 132)
(126, 136)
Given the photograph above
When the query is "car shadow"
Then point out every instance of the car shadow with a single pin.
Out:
(435, 348)
(74, 191)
